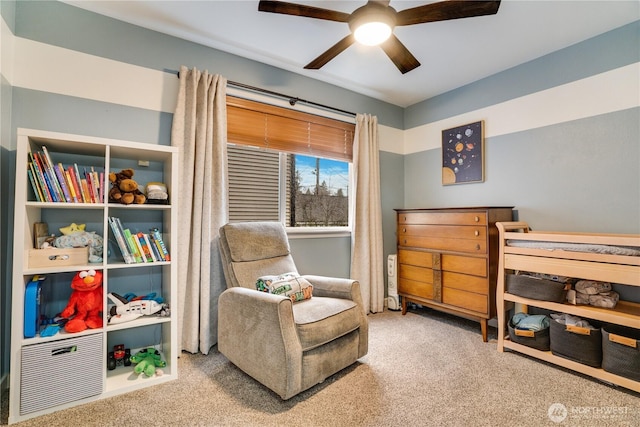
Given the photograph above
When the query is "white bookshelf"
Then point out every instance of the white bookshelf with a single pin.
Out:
(104, 155)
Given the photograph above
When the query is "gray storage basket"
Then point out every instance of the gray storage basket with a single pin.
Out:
(539, 339)
(621, 351)
(585, 349)
(535, 288)
(62, 371)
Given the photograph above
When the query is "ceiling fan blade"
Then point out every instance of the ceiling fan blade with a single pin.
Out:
(445, 10)
(399, 54)
(331, 53)
(302, 10)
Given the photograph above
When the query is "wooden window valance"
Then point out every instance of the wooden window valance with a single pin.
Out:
(281, 129)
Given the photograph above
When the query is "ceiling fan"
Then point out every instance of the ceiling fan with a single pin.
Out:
(378, 15)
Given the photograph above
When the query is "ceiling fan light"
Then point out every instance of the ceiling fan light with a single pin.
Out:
(372, 33)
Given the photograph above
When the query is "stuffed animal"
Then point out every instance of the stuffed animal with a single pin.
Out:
(75, 236)
(124, 189)
(147, 360)
(85, 303)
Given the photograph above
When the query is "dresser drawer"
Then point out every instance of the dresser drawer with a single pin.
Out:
(447, 231)
(465, 264)
(415, 288)
(443, 218)
(413, 272)
(417, 258)
(467, 300)
(478, 285)
(472, 246)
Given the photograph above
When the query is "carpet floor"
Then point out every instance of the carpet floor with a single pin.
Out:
(423, 369)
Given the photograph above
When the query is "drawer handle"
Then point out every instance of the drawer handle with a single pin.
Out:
(404, 230)
(64, 350)
(477, 233)
(405, 241)
(477, 247)
(477, 219)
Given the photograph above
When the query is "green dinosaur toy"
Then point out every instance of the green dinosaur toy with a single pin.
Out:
(147, 360)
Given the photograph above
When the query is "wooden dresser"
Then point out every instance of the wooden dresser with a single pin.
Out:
(448, 260)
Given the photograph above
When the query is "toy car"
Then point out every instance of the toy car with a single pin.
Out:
(119, 356)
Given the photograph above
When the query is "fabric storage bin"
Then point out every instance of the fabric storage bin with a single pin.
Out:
(536, 339)
(62, 371)
(621, 351)
(581, 345)
(537, 288)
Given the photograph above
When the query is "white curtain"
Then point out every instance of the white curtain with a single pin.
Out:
(366, 241)
(200, 131)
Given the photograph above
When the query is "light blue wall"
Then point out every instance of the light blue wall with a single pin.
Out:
(578, 175)
(7, 162)
(76, 29)
(575, 176)
(602, 53)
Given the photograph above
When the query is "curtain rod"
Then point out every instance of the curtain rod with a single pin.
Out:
(292, 99)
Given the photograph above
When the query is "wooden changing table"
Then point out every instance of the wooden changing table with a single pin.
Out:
(621, 269)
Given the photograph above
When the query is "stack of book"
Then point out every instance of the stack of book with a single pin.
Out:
(139, 247)
(51, 182)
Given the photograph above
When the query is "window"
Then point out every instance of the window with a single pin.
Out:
(287, 166)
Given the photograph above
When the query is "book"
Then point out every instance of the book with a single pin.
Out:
(95, 182)
(52, 174)
(136, 241)
(158, 238)
(85, 191)
(62, 182)
(40, 178)
(117, 233)
(76, 188)
(34, 186)
(133, 248)
(102, 185)
(79, 182)
(72, 190)
(46, 177)
(151, 251)
(145, 249)
(157, 251)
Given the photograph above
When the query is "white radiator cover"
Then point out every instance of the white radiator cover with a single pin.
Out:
(393, 300)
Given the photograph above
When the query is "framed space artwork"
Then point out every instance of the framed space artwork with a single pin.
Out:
(463, 154)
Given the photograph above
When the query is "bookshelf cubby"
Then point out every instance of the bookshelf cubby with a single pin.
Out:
(152, 163)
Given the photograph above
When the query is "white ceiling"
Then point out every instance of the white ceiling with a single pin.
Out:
(452, 53)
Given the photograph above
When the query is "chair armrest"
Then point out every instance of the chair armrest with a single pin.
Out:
(334, 287)
(257, 333)
(346, 289)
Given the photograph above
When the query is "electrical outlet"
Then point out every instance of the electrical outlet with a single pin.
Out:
(143, 163)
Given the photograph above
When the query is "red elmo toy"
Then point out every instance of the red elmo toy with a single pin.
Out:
(85, 301)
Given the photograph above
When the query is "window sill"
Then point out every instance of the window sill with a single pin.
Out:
(317, 232)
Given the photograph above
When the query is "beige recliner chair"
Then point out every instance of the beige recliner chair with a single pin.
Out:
(289, 347)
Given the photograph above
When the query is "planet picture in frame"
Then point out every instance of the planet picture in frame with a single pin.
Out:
(463, 154)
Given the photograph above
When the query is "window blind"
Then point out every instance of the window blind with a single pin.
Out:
(281, 129)
(253, 184)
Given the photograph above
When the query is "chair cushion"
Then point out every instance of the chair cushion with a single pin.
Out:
(320, 320)
(288, 284)
(250, 241)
